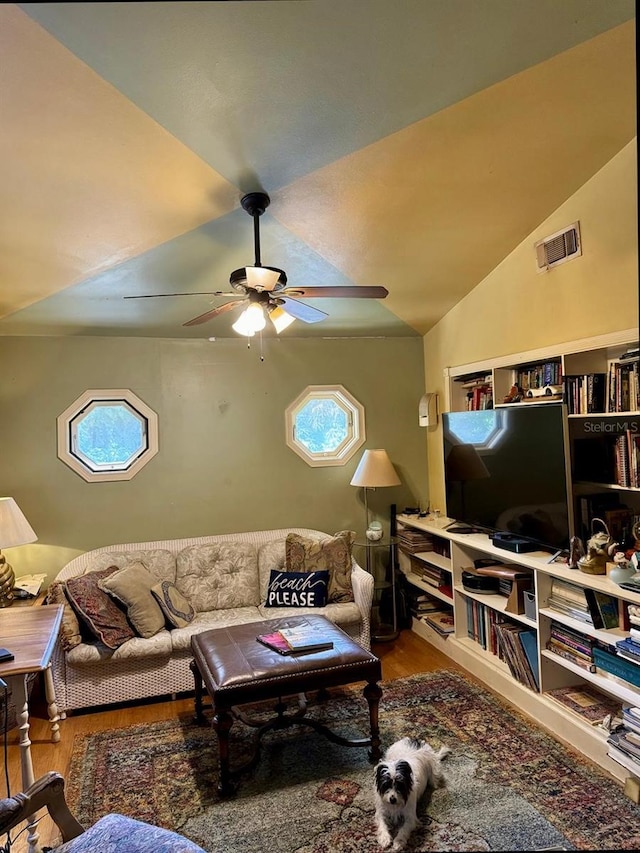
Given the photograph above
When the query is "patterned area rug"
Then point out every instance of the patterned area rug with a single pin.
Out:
(510, 785)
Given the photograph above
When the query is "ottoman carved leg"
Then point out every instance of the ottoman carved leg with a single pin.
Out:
(197, 701)
(222, 722)
(372, 693)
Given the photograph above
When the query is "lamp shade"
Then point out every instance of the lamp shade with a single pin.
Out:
(375, 470)
(14, 527)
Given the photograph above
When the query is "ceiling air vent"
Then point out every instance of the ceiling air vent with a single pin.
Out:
(558, 248)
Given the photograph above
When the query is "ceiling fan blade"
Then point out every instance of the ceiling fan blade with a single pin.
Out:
(303, 312)
(192, 293)
(261, 278)
(209, 315)
(348, 291)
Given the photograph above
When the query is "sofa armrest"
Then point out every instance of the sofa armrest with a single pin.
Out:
(362, 583)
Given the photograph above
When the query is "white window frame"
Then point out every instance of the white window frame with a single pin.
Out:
(67, 423)
(356, 426)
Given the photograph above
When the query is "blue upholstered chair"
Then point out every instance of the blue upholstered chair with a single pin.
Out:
(111, 834)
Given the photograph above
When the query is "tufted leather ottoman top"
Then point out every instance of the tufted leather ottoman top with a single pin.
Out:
(237, 669)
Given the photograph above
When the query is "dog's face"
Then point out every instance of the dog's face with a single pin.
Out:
(394, 783)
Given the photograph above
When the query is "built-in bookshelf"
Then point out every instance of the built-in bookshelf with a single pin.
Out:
(592, 375)
(596, 381)
(484, 622)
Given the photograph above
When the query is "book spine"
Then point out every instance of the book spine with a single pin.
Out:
(590, 667)
(617, 666)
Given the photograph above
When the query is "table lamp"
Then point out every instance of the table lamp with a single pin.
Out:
(374, 470)
(14, 530)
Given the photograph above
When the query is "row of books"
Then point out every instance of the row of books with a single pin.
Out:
(627, 459)
(520, 649)
(585, 394)
(623, 387)
(539, 375)
(572, 646)
(515, 644)
(479, 398)
(611, 459)
(617, 391)
(478, 391)
(481, 622)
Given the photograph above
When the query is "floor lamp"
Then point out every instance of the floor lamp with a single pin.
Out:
(373, 472)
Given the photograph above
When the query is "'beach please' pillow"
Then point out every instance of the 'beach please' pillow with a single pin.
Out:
(297, 589)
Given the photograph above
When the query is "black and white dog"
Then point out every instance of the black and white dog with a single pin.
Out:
(406, 770)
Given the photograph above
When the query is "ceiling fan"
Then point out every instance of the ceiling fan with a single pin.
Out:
(264, 292)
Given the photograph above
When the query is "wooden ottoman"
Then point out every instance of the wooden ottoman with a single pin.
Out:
(237, 669)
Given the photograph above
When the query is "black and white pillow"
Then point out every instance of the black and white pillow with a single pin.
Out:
(297, 589)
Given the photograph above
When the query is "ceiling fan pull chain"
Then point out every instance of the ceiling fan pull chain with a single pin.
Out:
(261, 347)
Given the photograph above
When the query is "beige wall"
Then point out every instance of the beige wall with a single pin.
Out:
(515, 308)
(223, 464)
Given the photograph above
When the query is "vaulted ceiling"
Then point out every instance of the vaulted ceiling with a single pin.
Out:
(405, 143)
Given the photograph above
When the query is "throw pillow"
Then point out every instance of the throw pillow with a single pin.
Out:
(132, 586)
(70, 635)
(177, 609)
(99, 612)
(297, 589)
(332, 554)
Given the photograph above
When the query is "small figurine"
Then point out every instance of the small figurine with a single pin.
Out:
(576, 551)
(514, 395)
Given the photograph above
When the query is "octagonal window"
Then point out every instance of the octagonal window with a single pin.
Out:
(107, 435)
(325, 425)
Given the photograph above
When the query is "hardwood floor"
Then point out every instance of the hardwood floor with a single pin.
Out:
(407, 655)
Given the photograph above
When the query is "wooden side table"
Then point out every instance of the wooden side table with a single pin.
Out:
(30, 634)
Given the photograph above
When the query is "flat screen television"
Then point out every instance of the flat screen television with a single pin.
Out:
(506, 470)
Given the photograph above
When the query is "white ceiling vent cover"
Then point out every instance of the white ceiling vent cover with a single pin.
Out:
(559, 247)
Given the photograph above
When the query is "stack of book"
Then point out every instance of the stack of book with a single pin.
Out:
(624, 742)
(413, 541)
(440, 620)
(587, 703)
(629, 647)
(569, 599)
(422, 604)
(432, 575)
(520, 649)
(572, 646)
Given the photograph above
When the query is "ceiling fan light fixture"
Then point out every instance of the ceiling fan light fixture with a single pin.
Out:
(251, 320)
(280, 318)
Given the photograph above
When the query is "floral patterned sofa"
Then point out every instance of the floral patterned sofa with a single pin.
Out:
(114, 647)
